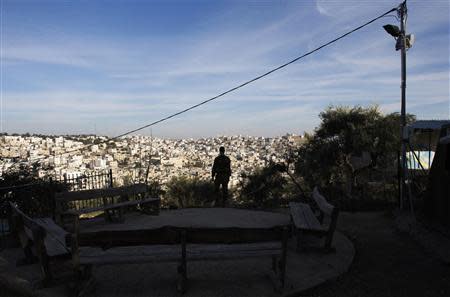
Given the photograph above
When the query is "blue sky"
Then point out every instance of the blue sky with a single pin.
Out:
(111, 66)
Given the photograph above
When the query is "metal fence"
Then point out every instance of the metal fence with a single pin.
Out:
(97, 180)
(37, 198)
(87, 181)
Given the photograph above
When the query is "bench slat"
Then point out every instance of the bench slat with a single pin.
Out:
(168, 253)
(232, 235)
(120, 238)
(304, 218)
(297, 214)
(111, 206)
(125, 247)
(312, 220)
(54, 240)
(208, 248)
(127, 254)
(199, 252)
(27, 221)
(169, 235)
(322, 203)
(99, 193)
(55, 237)
(129, 259)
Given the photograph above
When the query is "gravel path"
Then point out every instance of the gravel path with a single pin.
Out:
(387, 263)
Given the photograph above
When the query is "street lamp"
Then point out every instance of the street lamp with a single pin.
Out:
(395, 32)
(403, 43)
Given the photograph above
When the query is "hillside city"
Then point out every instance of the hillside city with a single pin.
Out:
(129, 158)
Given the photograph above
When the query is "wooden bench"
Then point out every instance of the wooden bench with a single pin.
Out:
(306, 221)
(111, 201)
(175, 244)
(204, 244)
(41, 239)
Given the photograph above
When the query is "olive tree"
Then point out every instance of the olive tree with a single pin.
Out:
(351, 143)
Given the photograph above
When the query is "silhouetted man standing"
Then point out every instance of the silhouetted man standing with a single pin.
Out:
(221, 172)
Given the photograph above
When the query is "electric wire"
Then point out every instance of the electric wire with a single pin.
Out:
(229, 90)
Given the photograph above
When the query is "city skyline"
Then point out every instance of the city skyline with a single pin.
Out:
(105, 67)
(131, 157)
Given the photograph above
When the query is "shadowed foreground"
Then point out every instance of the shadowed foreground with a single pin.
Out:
(243, 276)
(387, 263)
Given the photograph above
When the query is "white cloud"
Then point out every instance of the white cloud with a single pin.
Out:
(139, 80)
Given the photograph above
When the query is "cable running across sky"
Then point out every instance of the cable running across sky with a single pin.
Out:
(234, 88)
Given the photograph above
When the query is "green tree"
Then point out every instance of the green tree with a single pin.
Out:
(350, 143)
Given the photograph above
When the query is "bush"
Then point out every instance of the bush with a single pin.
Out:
(154, 189)
(265, 188)
(32, 194)
(183, 192)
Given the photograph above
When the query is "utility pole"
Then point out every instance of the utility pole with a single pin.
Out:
(403, 43)
(403, 11)
(404, 135)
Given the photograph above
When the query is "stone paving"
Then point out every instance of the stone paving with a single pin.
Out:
(249, 277)
(207, 278)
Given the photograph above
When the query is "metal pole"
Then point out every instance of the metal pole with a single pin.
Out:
(429, 150)
(111, 184)
(403, 11)
(150, 156)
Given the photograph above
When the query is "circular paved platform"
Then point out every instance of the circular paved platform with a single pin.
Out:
(248, 277)
(193, 218)
(226, 278)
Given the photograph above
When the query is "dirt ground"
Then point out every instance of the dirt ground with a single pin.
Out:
(387, 263)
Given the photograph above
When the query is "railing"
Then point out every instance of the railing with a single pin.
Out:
(37, 198)
(87, 181)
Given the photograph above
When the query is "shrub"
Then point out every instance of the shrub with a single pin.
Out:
(32, 194)
(183, 192)
(264, 188)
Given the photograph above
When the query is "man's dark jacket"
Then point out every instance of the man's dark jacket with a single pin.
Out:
(222, 166)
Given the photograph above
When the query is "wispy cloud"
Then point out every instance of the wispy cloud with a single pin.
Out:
(58, 79)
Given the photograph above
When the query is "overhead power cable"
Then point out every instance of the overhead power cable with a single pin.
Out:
(256, 78)
(237, 87)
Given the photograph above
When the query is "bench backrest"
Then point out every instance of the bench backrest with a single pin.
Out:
(233, 235)
(323, 205)
(27, 221)
(36, 230)
(96, 197)
(99, 193)
(172, 235)
(116, 238)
